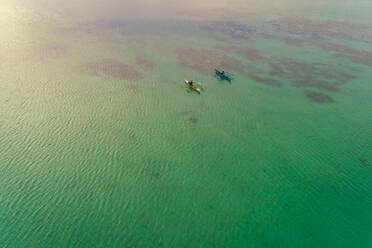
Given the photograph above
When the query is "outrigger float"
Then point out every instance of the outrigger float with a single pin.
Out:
(192, 87)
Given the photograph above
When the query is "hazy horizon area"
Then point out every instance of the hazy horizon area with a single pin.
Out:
(234, 10)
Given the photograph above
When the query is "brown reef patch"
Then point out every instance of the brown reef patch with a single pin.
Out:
(205, 61)
(319, 29)
(356, 56)
(304, 32)
(300, 32)
(144, 64)
(153, 168)
(250, 54)
(185, 113)
(193, 120)
(304, 74)
(300, 74)
(325, 76)
(266, 81)
(284, 38)
(155, 174)
(216, 14)
(134, 88)
(362, 57)
(318, 97)
(111, 68)
(38, 54)
(50, 51)
(364, 162)
(232, 29)
(293, 42)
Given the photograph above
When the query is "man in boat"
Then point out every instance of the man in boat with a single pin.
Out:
(222, 73)
(191, 83)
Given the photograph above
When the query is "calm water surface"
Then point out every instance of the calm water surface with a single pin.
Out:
(102, 146)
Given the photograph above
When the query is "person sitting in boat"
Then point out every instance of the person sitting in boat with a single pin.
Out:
(191, 83)
(223, 73)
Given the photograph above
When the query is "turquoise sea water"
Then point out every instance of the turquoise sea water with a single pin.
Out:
(102, 146)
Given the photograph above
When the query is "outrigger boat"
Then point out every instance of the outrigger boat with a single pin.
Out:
(223, 75)
(192, 87)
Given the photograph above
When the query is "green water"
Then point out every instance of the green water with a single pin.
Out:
(95, 155)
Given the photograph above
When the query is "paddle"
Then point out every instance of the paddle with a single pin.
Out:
(200, 86)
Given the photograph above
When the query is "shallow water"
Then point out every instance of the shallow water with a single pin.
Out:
(102, 146)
